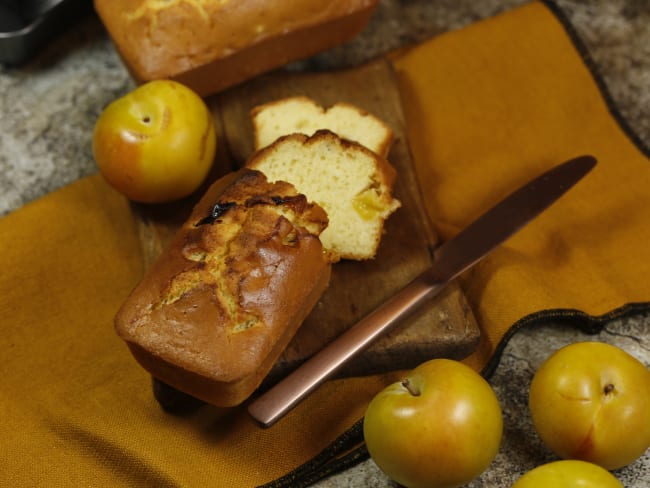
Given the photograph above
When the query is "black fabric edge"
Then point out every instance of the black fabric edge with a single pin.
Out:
(588, 324)
(346, 451)
(328, 462)
(587, 59)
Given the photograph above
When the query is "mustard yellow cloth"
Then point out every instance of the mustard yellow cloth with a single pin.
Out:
(487, 108)
(492, 105)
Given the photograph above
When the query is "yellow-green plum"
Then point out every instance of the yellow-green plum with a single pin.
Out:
(156, 143)
(568, 474)
(591, 401)
(440, 427)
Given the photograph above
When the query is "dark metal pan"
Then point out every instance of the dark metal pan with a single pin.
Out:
(26, 26)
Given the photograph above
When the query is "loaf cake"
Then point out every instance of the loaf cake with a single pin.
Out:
(303, 115)
(220, 305)
(210, 45)
(351, 183)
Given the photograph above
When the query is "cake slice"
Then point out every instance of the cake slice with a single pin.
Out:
(303, 115)
(222, 302)
(351, 183)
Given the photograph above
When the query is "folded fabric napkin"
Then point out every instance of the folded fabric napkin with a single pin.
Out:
(487, 108)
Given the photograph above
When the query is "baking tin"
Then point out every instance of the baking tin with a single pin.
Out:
(26, 26)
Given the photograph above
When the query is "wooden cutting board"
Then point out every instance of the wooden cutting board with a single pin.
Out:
(445, 327)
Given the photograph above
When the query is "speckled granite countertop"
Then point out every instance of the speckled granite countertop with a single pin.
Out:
(49, 107)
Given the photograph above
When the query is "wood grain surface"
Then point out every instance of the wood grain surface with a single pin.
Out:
(445, 327)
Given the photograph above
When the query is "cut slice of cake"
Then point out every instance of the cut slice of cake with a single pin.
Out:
(304, 116)
(351, 183)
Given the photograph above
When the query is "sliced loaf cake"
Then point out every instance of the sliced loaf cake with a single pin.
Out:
(351, 183)
(303, 115)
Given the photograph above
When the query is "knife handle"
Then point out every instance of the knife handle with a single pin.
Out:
(281, 398)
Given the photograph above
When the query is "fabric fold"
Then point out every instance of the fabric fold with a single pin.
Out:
(496, 107)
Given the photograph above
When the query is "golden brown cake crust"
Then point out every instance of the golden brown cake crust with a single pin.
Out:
(223, 301)
(212, 44)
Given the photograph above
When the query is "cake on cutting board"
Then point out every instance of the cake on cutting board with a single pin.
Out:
(443, 328)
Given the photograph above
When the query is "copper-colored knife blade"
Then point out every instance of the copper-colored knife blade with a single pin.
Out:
(451, 259)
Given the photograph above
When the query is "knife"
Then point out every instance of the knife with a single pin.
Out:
(451, 259)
